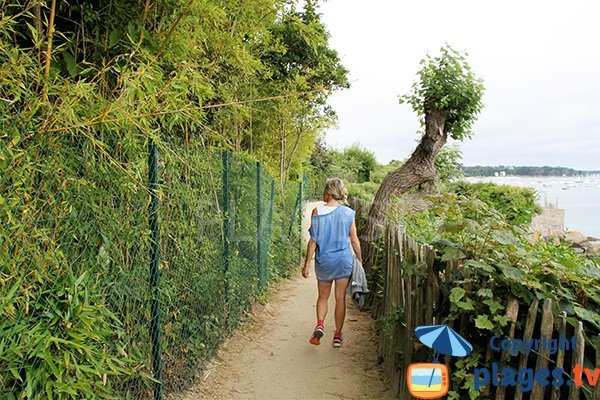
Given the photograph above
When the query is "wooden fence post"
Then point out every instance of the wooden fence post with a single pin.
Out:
(577, 358)
(512, 311)
(527, 334)
(546, 328)
(560, 356)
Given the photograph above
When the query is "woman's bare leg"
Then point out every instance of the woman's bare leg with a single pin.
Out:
(340, 302)
(324, 292)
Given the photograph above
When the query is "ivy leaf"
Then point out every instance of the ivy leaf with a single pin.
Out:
(493, 305)
(502, 319)
(456, 294)
(482, 322)
(466, 305)
(505, 237)
(533, 284)
(484, 292)
(452, 253)
(511, 272)
(452, 228)
(587, 315)
(478, 265)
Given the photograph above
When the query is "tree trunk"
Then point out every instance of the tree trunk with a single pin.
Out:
(418, 170)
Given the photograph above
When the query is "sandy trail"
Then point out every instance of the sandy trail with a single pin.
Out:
(269, 357)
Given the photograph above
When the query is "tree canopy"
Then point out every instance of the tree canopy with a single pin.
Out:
(446, 83)
(251, 76)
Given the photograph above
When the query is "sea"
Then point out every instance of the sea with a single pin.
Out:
(579, 196)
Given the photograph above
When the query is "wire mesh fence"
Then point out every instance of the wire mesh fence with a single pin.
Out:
(123, 265)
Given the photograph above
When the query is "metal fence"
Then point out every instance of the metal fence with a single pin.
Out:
(123, 268)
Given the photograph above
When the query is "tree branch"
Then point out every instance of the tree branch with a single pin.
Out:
(166, 40)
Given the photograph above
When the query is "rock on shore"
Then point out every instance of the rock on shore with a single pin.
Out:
(581, 243)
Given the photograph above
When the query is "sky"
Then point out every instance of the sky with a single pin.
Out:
(539, 60)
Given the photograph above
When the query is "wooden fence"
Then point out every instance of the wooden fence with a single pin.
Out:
(412, 296)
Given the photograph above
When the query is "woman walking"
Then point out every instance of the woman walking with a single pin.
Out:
(331, 226)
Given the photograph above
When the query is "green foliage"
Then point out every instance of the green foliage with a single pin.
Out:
(422, 226)
(446, 83)
(253, 78)
(354, 164)
(381, 171)
(499, 261)
(448, 163)
(360, 161)
(73, 256)
(364, 191)
(515, 203)
(59, 340)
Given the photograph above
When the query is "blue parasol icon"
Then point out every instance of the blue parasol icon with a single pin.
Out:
(443, 339)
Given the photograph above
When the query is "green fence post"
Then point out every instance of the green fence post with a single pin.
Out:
(259, 230)
(300, 215)
(226, 227)
(270, 229)
(293, 220)
(154, 275)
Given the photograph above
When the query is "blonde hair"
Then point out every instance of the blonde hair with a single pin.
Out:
(336, 188)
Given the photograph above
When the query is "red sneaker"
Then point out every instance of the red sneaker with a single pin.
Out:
(317, 335)
(338, 341)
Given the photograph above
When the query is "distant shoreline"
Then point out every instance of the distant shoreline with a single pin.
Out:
(507, 170)
(594, 174)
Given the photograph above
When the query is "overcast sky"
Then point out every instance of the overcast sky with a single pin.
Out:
(540, 62)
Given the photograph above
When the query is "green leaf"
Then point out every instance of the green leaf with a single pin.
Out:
(502, 319)
(456, 294)
(478, 265)
(482, 322)
(485, 292)
(511, 272)
(587, 315)
(452, 253)
(452, 228)
(49, 390)
(80, 279)
(466, 305)
(505, 237)
(70, 63)
(493, 305)
(114, 38)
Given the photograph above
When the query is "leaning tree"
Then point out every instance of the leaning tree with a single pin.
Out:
(447, 97)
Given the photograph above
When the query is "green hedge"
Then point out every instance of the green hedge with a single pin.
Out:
(517, 204)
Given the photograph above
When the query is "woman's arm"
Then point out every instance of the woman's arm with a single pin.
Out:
(310, 252)
(355, 242)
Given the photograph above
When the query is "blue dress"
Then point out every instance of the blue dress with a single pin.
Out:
(333, 259)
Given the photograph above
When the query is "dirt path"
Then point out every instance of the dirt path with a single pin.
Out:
(270, 357)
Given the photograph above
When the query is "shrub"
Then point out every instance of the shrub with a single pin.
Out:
(515, 203)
